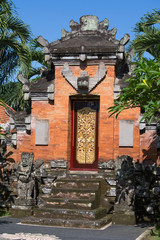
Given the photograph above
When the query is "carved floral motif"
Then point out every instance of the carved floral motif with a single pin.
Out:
(86, 125)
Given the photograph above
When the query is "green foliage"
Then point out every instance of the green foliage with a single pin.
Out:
(143, 91)
(143, 88)
(148, 35)
(14, 35)
(12, 94)
(18, 52)
(37, 58)
(156, 233)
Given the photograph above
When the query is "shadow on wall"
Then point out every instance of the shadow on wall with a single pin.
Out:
(149, 153)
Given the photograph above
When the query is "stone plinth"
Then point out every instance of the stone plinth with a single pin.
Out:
(22, 208)
(124, 218)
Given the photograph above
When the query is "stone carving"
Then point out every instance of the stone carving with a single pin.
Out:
(106, 165)
(69, 76)
(125, 39)
(83, 81)
(125, 191)
(100, 74)
(74, 26)
(86, 125)
(137, 191)
(103, 25)
(89, 22)
(45, 44)
(26, 86)
(59, 164)
(26, 178)
(80, 83)
(125, 183)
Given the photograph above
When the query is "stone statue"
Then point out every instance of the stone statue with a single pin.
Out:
(124, 207)
(26, 178)
(125, 183)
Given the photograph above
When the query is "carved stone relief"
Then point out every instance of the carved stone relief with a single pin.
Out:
(86, 125)
(84, 82)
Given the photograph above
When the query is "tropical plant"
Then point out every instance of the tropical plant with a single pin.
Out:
(143, 88)
(11, 92)
(143, 91)
(147, 37)
(14, 35)
(18, 53)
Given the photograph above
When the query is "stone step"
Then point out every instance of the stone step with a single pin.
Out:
(69, 223)
(56, 213)
(77, 183)
(73, 193)
(87, 204)
(83, 175)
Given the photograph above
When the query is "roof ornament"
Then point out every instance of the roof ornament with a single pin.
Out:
(82, 56)
(45, 44)
(26, 86)
(89, 23)
(84, 83)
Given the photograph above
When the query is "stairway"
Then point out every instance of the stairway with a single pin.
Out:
(74, 201)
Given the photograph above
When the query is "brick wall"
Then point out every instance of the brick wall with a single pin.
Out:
(59, 116)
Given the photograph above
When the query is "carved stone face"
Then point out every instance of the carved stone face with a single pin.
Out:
(83, 80)
(25, 161)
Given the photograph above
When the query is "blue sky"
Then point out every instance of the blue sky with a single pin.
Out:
(48, 17)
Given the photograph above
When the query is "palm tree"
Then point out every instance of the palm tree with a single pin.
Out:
(11, 92)
(14, 35)
(17, 53)
(148, 35)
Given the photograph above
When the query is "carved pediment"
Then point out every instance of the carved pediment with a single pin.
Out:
(84, 83)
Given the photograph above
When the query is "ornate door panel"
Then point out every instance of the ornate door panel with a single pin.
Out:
(84, 135)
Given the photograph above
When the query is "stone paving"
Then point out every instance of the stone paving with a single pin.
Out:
(27, 236)
(12, 229)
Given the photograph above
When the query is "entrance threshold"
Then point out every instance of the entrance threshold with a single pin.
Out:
(83, 172)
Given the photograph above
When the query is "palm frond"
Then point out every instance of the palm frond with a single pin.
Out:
(149, 19)
(148, 43)
(21, 30)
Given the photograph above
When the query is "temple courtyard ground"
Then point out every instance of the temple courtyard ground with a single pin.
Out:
(12, 229)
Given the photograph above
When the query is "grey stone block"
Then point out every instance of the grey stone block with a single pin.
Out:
(27, 96)
(59, 163)
(14, 139)
(28, 119)
(111, 182)
(89, 22)
(106, 165)
(42, 132)
(112, 192)
(126, 133)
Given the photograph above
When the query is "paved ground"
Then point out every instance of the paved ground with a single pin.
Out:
(113, 232)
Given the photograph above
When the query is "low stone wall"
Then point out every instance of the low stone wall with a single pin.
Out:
(131, 187)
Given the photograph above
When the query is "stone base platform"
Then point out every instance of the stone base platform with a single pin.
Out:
(123, 218)
(94, 224)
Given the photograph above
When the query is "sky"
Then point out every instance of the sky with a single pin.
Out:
(48, 17)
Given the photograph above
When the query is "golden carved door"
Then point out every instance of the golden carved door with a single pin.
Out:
(84, 135)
